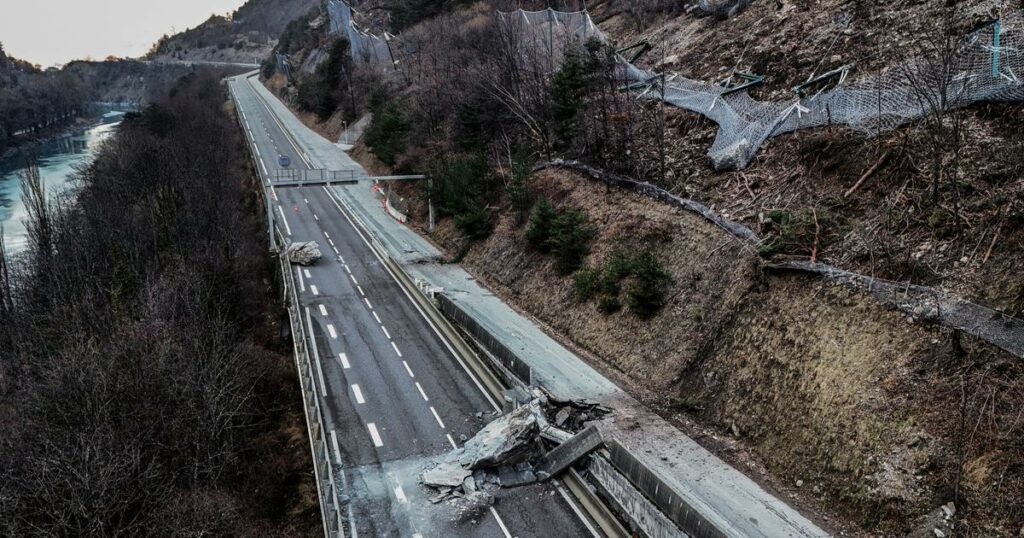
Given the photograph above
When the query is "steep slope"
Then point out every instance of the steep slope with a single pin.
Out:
(247, 35)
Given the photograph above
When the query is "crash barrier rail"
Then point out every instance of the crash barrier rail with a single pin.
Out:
(507, 359)
(323, 468)
(661, 494)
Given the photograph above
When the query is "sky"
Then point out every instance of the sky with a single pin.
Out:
(48, 32)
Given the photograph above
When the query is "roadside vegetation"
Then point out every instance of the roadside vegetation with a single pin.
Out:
(145, 389)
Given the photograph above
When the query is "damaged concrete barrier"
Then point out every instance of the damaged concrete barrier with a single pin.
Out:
(562, 456)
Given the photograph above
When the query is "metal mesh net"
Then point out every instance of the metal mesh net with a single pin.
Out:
(366, 48)
(983, 67)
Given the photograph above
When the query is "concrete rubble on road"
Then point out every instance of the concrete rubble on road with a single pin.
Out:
(304, 252)
(504, 452)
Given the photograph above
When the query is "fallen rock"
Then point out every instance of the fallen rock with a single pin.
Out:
(507, 440)
(304, 252)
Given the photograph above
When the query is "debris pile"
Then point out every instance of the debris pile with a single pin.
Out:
(506, 451)
(303, 252)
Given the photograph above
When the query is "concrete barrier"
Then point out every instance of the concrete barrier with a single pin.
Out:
(631, 505)
(654, 488)
(505, 356)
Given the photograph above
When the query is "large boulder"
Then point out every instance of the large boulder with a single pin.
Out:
(509, 439)
(304, 253)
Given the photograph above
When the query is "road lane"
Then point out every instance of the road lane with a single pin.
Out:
(395, 395)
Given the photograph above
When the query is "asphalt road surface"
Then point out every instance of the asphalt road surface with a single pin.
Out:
(394, 396)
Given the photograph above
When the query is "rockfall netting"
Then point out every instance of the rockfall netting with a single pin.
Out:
(983, 67)
(366, 48)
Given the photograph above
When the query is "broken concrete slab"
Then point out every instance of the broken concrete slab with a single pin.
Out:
(447, 473)
(562, 456)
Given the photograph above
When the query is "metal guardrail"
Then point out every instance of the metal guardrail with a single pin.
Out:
(323, 468)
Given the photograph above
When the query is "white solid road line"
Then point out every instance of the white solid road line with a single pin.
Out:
(334, 333)
(313, 289)
(373, 434)
(386, 333)
(285, 220)
(437, 417)
(344, 360)
(323, 310)
(450, 440)
(407, 369)
(501, 523)
(424, 394)
(358, 394)
(396, 349)
(316, 355)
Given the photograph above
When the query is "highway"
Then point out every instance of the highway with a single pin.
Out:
(394, 395)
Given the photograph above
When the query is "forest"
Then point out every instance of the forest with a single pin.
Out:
(32, 100)
(145, 386)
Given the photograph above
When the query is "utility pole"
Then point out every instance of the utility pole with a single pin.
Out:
(430, 205)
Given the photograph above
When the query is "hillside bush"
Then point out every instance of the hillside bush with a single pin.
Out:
(541, 222)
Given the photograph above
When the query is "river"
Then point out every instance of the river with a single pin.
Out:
(58, 159)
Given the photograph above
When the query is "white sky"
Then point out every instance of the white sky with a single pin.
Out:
(48, 32)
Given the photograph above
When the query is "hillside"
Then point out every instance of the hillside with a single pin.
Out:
(246, 36)
(869, 417)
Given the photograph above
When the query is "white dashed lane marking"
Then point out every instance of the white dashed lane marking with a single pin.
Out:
(407, 369)
(323, 310)
(358, 394)
(437, 417)
(374, 435)
(396, 349)
(344, 361)
(424, 394)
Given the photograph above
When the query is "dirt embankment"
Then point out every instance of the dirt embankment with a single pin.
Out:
(857, 410)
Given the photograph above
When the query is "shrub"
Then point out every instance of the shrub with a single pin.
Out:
(540, 225)
(461, 189)
(587, 282)
(517, 190)
(571, 233)
(386, 134)
(647, 291)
